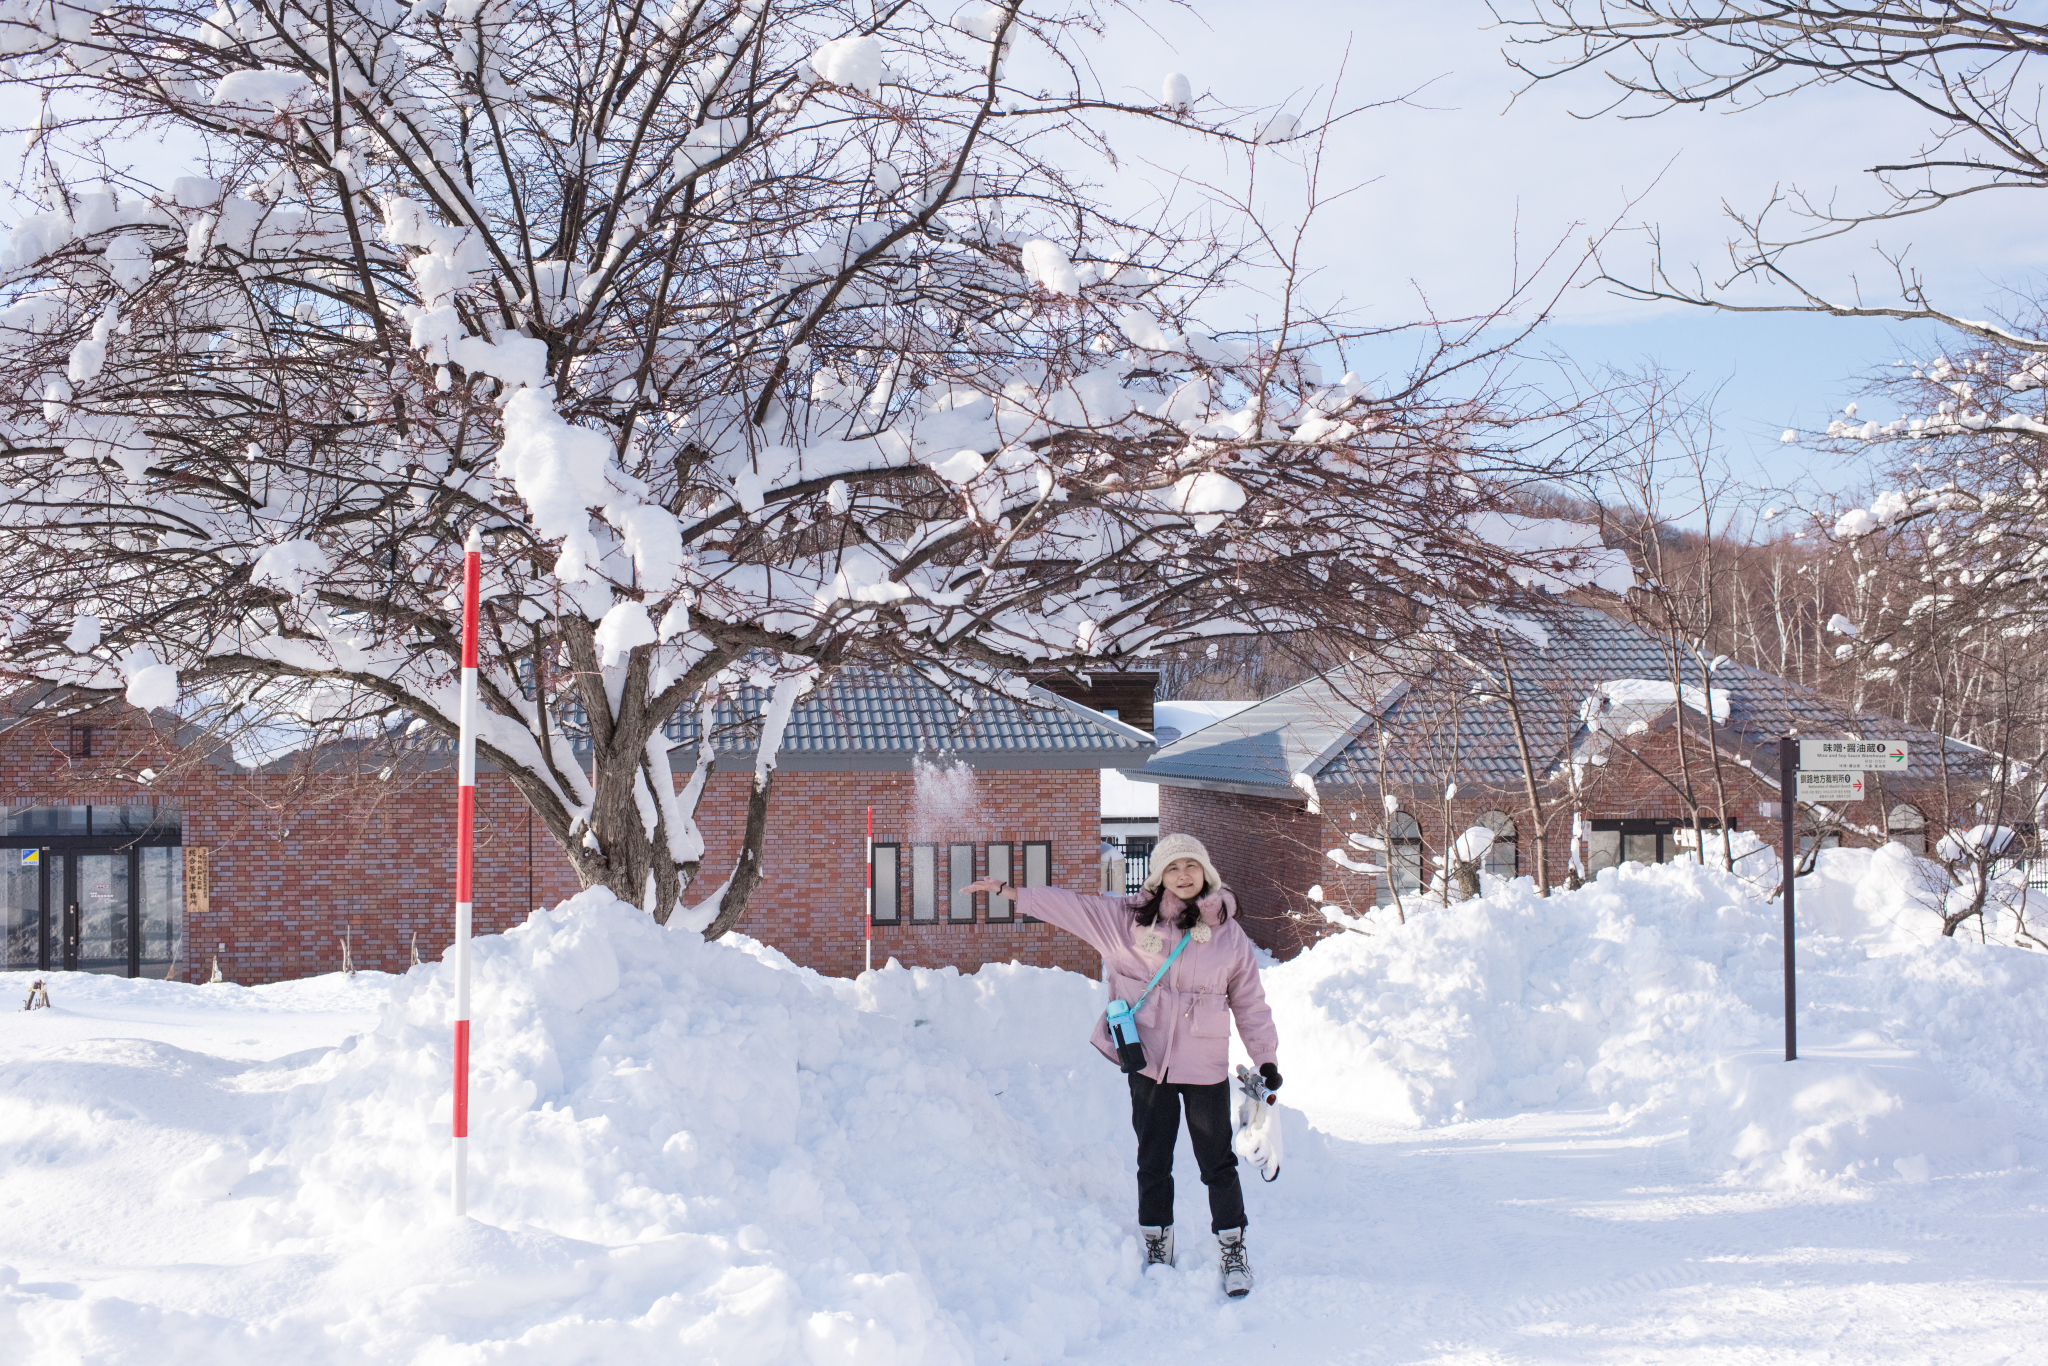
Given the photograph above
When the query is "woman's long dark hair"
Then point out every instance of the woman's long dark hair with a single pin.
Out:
(1148, 910)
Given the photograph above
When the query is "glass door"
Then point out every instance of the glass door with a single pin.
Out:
(160, 908)
(92, 888)
(21, 909)
(99, 910)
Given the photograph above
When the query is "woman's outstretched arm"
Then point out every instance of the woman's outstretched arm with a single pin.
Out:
(1099, 920)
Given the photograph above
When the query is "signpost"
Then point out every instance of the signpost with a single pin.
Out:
(1830, 771)
(1788, 786)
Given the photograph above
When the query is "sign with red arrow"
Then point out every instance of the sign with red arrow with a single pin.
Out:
(1832, 788)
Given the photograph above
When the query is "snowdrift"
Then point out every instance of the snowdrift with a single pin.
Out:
(701, 1152)
(674, 1146)
(1656, 993)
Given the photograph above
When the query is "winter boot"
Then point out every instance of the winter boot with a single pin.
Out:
(1237, 1271)
(1158, 1244)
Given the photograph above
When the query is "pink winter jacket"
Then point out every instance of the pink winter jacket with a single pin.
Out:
(1185, 1022)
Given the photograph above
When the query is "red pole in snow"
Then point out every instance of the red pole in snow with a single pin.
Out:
(871, 891)
(465, 858)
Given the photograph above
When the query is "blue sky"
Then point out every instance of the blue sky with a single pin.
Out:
(1462, 180)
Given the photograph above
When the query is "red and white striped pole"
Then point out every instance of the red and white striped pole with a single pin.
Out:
(871, 890)
(465, 858)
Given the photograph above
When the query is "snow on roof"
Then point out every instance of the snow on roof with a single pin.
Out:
(1639, 700)
(1185, 717)
(1123, 798)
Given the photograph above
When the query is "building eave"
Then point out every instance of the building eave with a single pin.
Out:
(1215, 785)
(903, 761)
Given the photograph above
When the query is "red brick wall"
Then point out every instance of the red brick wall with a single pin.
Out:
(295, 860)
(1269, 852)
(814, 885)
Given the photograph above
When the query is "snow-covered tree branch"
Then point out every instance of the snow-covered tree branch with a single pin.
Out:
(757, 338)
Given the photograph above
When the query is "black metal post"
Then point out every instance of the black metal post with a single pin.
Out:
(1788, 792)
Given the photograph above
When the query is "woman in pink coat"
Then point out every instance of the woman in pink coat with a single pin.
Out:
(1184, 1026)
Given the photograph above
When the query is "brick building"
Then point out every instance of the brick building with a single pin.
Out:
(111, 868)
(1415, 751)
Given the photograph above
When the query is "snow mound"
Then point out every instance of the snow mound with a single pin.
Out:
(679, 1151)
(762, 1170)
(1656, 994)
(1865, 1109)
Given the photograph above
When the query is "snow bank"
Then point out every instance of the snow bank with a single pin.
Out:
(674, 1146)
(761, 1170)
(1656, 993)
(701, 1152)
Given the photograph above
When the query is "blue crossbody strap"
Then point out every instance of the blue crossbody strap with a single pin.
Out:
(1159, 974)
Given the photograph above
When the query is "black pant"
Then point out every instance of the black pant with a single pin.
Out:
(1155, 1114)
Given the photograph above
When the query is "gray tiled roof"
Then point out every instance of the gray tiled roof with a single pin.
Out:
(876, 720)
(1445, 721)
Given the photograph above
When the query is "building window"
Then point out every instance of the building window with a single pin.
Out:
(1642, 847)
(157, 822)
(1038, 863)
(999, 870)
(1906, 825)
(1404, 853)
(1603, 850)
(959, 873)
(888, 902)
(924, 882)
(1037, 867)
(81, 742)
(1646, 840)
(1500, 855)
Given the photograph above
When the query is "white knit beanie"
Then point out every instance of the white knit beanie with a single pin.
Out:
(1177, 847)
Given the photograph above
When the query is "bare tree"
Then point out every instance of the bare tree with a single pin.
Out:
(1661, 444)
(1960, 64)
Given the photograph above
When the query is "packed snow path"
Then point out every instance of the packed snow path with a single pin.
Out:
(1530, 1131)
(1550, 1238)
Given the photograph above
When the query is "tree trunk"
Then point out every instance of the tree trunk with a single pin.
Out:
(1540, 832)
(746, 871)
(1468, 881)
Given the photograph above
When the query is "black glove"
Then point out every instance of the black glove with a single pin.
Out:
(1272, 1075)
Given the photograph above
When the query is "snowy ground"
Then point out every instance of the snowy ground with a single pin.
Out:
(1528, 1131)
